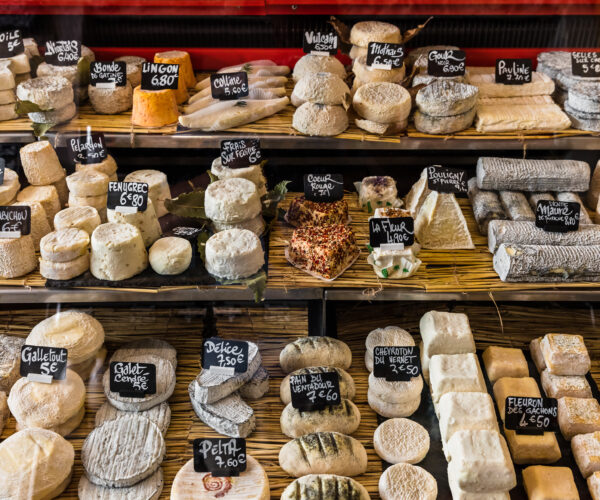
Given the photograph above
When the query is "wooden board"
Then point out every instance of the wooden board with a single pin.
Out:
(509, 325)
(441, 271)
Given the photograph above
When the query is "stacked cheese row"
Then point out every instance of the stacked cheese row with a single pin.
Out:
(253, 173)
(131, 429)
(399, 441)
(53, 95)
(522, 251)
(417, 61)
(322, 454)
(563, 363)
(219, 399)
(383, 107)
(439, 221)
(321, 96)
(510, 108)
(479, 460)
(13, 71)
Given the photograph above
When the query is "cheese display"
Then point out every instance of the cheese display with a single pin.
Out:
(323, 486)
(9, 187)
(47, 196)
(363, 73)
(378, 192)
(234, 201)
(320, 119)
(39, 222)
(158, 187)
(182, 58)
(40, 163)
(321, 88)
(404, 480)
(388, 336)
(10, 360)
(547, 482)
(364, 32)
(49, 93)
(324, 251)
(303, 212)
(58, 406)
(117, 252)
(84, 218)
(17, 256)
(400, 440)
(35, 460)
(346, 382)
(107, 166)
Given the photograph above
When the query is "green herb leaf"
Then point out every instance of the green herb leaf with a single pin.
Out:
(257, 283)
(212, 177)
(273, 198)
(202, 239)
(40, 129)
(384, 273)
(241, 104)
(188, 205)
(22, 108)
(369, 248)
(83, 72)
(247, 67)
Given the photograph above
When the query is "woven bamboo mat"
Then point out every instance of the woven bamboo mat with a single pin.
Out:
(280, 123)
(441, 271)
(273, 328)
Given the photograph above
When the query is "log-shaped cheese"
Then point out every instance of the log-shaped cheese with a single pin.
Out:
(547, 263)
(526, 233)
(584, 217)
(154, 108)
(516, 205)
(486, 206)
(532, 175)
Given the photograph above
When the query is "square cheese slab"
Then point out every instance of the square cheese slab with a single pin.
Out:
(549, 483)
(461, 411)
(578, 416)
(535, 349)
(594, 485)
(446, 333)
(510, 386)
(565, 354)
(480, 462)
(526, 449)
(455, 373)
(504, 362)
(586, 451)
(560, 386)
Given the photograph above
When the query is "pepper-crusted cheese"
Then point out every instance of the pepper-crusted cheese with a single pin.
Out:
(154, 108)
(186, 71)
(303, 212)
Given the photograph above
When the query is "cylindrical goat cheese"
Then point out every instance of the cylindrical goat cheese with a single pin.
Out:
(158, 187)
(40, 226)
(111, 101)
(232, 200)
(64, 245)
(40, 163)
(107, 166)
(88, 183)
(85, 218)
(118, 252)
(170, 256)
(10, 187)
(17, 256)
(146, 222)
(234, 254)
(47, 196)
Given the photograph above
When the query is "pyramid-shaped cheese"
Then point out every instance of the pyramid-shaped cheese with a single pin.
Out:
(417, 194)
(440, 223)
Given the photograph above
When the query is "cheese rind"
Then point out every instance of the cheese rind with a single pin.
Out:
(118, 252)
(84, 218)
(64, 245)
(446, 333)
(64, 270)
(148, 489)
(10, 187)
(107, 166)
(455, 373)
(48, 92)
(17, 256)
(111, 101)
(234, 254)
(10, 360)
(382, 102)
(511, 118)
(56, 116)
(40, 163)
(232, 200)
(47, 196)
(158, 187)
(484, 78)
(88, 183)
(154, 108)
(39, 222)
(146, 221)
(159, 414)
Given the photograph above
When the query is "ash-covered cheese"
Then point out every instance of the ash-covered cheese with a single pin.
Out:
(85, 218)
(145, 221)
(170, 256)
(118, 252)
(158, 187)
(17, 256)
(40, 163)
(234, 253)
(10, 187)
(232, 200)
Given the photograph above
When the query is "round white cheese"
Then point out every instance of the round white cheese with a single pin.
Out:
(56, 116)
(309, 64)
(85, 218)
(64, 245)
(148, 489)
(118, 252)
(107, 166)
(35, 404)
(253, 173)
(159, 414)
(10, 186)
(256, 225)
(76, 331)
(146, 222)
(158, 187)
(170, 256)
(232, 200)
(36, 461)
(40, 163)
(88, 183)
(111, 101)
(48, 92)
(64, 270)
(382, 102)
(234, 254)
(17, 256)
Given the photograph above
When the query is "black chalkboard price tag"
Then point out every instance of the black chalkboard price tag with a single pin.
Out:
(11, 43)
(63, 52)
(222, 457)
(2, 168)
(43, 364)
(385, 55)
(109, 74)
(557, 216)
(132, 380)
(447, 180)
(127, 197)
(15, 221)
(320, 44)
(158, 76)
(225, 356)
(240, 153)
(585, 64)
(513, 71)
(323, 187)
(88, 149)
(531, 415)
(391, 231)
(229, 86)
(396, 363)
(446, 62)
(315, 391)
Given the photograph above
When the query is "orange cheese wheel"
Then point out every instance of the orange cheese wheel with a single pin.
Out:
(186, 71)
(153, 108)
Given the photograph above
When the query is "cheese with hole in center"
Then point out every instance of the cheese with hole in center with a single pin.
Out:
(158, 187)
(17, 256)
(40, 163)
(154, 108)
(35, 464)
(85, 218)
(145, 221)
(118, 252)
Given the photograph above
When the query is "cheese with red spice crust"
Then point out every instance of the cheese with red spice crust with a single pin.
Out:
(303, 212)
(325, 251)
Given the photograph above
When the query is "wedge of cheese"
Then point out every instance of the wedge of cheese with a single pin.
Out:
(440, 223)
(417, 194)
